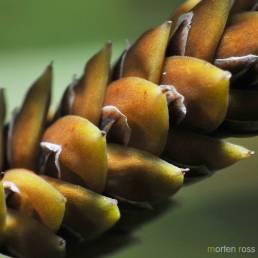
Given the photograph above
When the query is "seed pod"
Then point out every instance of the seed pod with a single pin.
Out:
(48, 203)
(146, 56)
(89, 91)
(2, 120)
(242, 5)
(207, 26)
(199, 150)
(25, 237)
(238, 55)
(2, 210)
(242, 114)
(87, 213)
(234, 42)
(138, 176)
(185, 7)
(27, 126)
(145, 107)
(205, 88)
(81, 148)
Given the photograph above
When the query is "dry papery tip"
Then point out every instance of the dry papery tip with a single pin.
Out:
(112, 201)
(173, 96)
(240, 62)
(8, 185)
(237, 59)
(111, 115)
(61, 242)
(51, 149)
(185, 171)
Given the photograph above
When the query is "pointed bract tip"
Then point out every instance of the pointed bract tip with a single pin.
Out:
(251, 153)
(109, 44)
(166, 25)
(185, 171)
(2, 92)
(228, 75)
(113, 201)
(49, 69)
(50, 66)
(74, 77)
(247, 154)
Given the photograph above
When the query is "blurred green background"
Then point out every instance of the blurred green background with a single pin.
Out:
(33, 33)
(220, 210)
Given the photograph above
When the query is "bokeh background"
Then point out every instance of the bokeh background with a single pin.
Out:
(220, 210)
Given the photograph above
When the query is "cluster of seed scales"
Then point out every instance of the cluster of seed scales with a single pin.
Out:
(164, 99)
